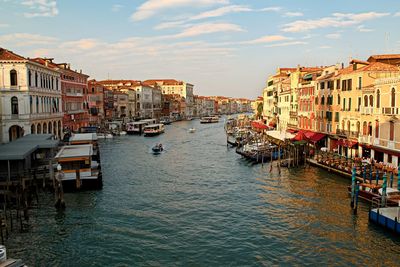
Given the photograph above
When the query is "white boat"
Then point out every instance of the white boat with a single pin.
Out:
(209, 119)
(192, 130)
(104, 136)
(122, 133)
(154, 129)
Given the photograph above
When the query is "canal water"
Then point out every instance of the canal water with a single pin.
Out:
(200, 204)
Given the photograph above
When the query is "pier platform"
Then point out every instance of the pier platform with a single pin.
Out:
(386, 217)
(315, 163)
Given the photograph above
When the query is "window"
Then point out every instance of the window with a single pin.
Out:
(377, 129)
(393, 98)
(349, 85)
(29, 78)
(338, 99)
(344, 104)
(364, 128)
(371, 101)
(14, 105)
(13, 78)
(359, 104)
(322, 100)
(349, 104)
(348, 126)
(389, 158)
(316, 100)
(344, 85)
(378, 99)
(365, 101)
(322, 85)
(358, 127)
(36, 79)
(391, 131)
(337, 84)
(336, 116)
(370, 128)
(359, 83)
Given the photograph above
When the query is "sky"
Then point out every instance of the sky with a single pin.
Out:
(223, 47)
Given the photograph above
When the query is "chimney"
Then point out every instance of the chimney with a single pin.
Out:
(342, 65)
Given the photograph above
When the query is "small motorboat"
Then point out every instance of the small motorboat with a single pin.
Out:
(192, 130)
(122, 133)
(158, 148)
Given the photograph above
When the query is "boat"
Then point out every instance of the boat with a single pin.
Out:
(136, 127)
(122, 133)
(371, 192)
(80, 170)
(157, 149)
(165, 120)
(192, 130)
(209, 119)
(153, 129)
(189, 118)
(104, 136)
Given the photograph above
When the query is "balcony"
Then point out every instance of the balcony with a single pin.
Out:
(367, 110)
(348, 134)
(74, 94)
(390, 111)
(365, 139)
(74, 111)
(293, 114)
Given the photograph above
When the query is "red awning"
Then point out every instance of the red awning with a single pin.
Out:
(292, 131)
(300, 136)
(347, 143)
(316, 137)
(259, 125)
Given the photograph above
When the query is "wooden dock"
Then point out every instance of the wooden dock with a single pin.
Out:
(333, 170)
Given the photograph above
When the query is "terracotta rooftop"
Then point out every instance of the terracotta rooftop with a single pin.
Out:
(359, 62)
(388, 56)
(373, 66)
(9, 55)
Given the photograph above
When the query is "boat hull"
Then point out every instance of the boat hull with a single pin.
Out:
(86, 184)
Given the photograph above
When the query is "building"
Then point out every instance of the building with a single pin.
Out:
(95, 99)
(170, 86)
(30, 98)
(120, 104)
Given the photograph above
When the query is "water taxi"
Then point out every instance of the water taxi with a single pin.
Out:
(136, 127)
(79, 168)
(209, 119)
(153, 129)
(157, 149)
(165, 120)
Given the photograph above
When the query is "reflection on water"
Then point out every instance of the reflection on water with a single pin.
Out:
(201, 204)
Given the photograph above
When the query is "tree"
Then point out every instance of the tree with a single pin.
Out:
(259, 110)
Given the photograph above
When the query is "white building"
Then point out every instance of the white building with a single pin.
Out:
(30, 98)
(181, 88)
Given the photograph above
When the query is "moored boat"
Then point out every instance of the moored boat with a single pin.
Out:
(154, 129)
(209, 119)
(372, 192)
(79, 168)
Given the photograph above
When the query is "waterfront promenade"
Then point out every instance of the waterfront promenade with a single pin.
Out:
(201, 204)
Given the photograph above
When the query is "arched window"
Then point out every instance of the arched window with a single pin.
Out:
(44, 128)
(57, 84)
(371, 100)
(358, 127)
(378, 99)
(364, 128)
(370, 128)
(342, 125)
(14, 105)
(393, 97)
(50, 128)
(365, 101)
(39, 129)
(36, 79)
(322, 100)
(13, 78)
(376, 129)
(52, 83)
(31, 104)
(33, 129)
(391, 130)
(338, 99)
(316, 100)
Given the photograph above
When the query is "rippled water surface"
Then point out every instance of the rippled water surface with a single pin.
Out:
(200, 204)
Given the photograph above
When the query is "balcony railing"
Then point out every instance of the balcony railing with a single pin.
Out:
(350, 134)
(293, 113)
(390, 111)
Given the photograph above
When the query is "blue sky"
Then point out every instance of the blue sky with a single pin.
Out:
(223, 47)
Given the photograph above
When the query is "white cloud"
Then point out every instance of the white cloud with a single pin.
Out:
(333, 36)
(287, 44)
(116, 8)
(397, 14)
(325, 47)
(82, 44)
(337, 20)
(26, 39)
(293, 14)
(41, 8)
(151, 7)
(267, 39)
(171, 24)
(362, 28)
(272, 8)
(221, 11)
(4, 25)
(207, 28)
